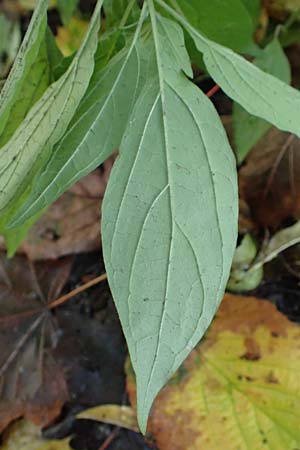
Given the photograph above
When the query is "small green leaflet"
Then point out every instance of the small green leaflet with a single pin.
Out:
(259, 93)
(167, 247)
(31, 145)
(249, 129)
(96, 130)
(237, 27)
(28, 77)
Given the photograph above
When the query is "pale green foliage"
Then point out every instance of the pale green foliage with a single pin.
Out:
(166, 248)
(45, 124)
(257, 92)
(104, 120)
(169, 222)
(27, 79)
(249, 129)
(237, 24)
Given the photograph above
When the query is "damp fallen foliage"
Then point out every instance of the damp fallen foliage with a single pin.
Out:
(31, 382)
(239, 389)
(71, 224)
(269, 181)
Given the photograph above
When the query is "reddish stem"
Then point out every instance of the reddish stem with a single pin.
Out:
(212, 91)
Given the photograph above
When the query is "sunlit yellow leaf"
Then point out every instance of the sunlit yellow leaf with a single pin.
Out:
(240, 388)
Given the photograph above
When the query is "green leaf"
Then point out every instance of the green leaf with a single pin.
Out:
(95, 131)
(254, 8)
(226, 22)
(117, 11)
(31, 145)
(55, 56)
(249, 129)
(169, 222)
(28, 77)
(66, 9)
(259, 93)
(241, 278)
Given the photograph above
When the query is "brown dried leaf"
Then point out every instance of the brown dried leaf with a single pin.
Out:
(72, 224)
(270, 179)
(31, 383)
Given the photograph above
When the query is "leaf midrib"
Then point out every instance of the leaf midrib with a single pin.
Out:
(162, 99)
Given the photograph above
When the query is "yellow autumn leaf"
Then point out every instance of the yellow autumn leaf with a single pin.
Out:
(239, 389)
(24, 435)
(69, 38)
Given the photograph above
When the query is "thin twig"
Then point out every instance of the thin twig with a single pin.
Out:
(110, 439)
(76, 291)
(57, 302)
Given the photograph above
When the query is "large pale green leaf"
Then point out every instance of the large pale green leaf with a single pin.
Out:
(44, 125)
(169, 221)
(259, 93)
(97, 128)
(28, 77)
(226, 22)
(249, 129)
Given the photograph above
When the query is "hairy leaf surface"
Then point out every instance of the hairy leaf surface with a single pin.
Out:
(46, 122)
(259, 93)
(169, 219)
(96, 129)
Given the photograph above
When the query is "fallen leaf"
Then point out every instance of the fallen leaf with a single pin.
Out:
(121, 416)
(239, 389)
(32, 384)
(72, 224)
(24, 435)
(270, 180)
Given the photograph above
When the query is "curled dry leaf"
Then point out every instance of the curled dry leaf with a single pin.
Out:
(31, 383)
(270, 180)
(239, 389)
(121, 416)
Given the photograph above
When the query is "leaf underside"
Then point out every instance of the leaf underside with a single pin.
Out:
(95, 131)
(166, 246)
